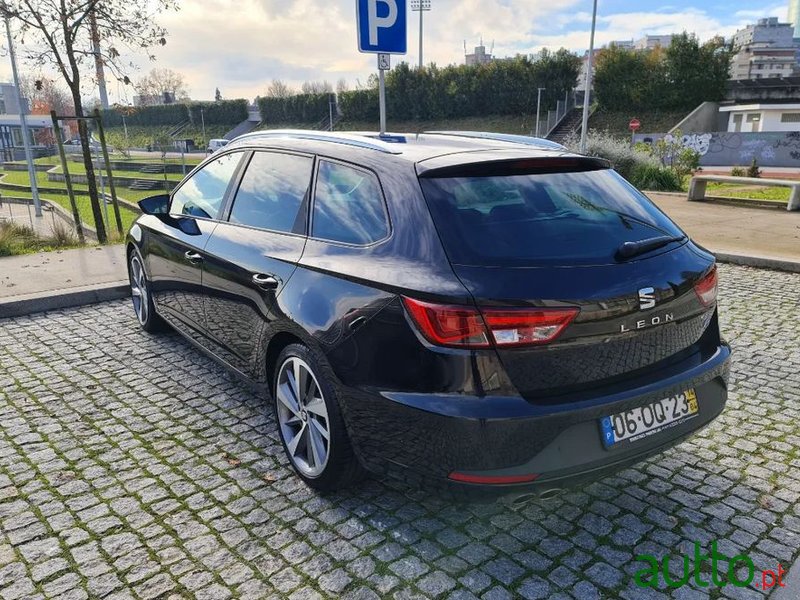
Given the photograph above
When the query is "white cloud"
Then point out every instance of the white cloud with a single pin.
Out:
(240, 45)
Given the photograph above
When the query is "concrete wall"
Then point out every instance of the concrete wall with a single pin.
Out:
(702, 118)
(770, 149)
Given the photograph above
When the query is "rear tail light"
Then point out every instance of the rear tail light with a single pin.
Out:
(468, 327)
(706, 288)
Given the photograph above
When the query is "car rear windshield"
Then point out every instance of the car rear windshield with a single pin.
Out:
(561, 218)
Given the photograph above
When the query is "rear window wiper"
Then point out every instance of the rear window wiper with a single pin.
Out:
(631, 249)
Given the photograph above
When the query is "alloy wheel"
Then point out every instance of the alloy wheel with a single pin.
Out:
(303, 417)
(139, 289)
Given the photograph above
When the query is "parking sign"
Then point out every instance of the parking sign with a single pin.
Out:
(382, 26)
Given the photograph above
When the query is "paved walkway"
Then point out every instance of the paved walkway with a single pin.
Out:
(62, 270)
(733, 229)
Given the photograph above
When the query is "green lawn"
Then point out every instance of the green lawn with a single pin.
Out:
(80, 169)
(83, 203)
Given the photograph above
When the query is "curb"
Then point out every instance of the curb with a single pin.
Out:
(759, 262)
(17, 306)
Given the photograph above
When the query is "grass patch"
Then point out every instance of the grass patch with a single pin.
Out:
(17, 239)
(731, 190)
(141, 136)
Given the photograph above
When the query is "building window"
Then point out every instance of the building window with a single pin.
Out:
(790, 117)
(737, 122)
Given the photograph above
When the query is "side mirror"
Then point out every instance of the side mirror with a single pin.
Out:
(155, 205)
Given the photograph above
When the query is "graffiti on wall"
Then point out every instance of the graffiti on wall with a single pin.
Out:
(769, 149)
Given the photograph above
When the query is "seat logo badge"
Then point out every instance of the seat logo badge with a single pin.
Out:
(647, 298)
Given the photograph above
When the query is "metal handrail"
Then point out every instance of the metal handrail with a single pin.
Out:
(321, 136)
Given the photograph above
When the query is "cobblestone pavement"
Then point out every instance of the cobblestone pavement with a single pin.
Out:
(132, 466)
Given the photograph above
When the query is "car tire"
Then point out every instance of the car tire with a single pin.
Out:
(312, 430)
(142, 299)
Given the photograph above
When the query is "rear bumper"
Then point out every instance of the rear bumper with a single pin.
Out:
(423, 438)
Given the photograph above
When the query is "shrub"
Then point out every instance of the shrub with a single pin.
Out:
(753, 170)
(655, 178)
(618, 152)
(738, 172)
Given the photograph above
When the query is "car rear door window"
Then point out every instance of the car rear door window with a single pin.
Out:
(348, 206)
(202, 194)
(559, 218)
(271, 193)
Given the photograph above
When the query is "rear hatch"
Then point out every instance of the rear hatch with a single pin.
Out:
(568, 232)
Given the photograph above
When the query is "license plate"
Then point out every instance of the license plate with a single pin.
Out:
(642, 421)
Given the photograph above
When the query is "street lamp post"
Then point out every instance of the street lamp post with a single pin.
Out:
(421, 6)
(587, 92)
(538, 109)
(23, 120)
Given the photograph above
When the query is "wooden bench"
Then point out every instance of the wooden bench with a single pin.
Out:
(697, 187)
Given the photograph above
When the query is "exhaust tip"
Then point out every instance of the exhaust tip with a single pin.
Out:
(550, 494)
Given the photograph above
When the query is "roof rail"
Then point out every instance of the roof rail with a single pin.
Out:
(359, 141)
(503, 137)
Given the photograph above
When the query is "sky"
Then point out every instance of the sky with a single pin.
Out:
(239, 46)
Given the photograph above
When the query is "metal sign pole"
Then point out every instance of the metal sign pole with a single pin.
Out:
(382, 93)
(23, 110)
(384, 64)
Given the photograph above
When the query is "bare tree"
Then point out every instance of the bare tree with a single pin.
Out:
(154, 87)
(58, 34)
(316, 87)
(342, 86)
(278, 89)
(44, 95)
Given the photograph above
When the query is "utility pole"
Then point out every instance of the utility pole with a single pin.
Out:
(587, 93)
(98, 60)
(538, 109)
(422, 6)
(23, 109)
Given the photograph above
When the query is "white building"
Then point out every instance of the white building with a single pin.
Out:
(750, 118)
(479, 57)
(765, 50)
(651, 42)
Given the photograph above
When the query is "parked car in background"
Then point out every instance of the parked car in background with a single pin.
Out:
(216, 144)
(469, 310)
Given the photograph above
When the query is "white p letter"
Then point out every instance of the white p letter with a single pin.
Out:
(375, 21)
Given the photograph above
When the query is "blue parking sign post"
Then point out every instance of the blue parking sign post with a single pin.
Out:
(382, 30)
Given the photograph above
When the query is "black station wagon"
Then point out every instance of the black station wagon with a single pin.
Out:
(460, 309)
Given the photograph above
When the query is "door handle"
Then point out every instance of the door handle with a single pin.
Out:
(265, 282)
(193, 257)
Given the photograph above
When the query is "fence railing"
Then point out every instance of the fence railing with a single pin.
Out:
(554, 117)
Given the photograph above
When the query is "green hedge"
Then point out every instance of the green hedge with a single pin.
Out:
(227, 112)
(502, 87)
(302, 108)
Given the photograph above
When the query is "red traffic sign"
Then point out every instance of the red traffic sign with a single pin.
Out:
(634, 124)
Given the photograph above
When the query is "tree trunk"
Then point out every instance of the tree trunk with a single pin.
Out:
(83, 132)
